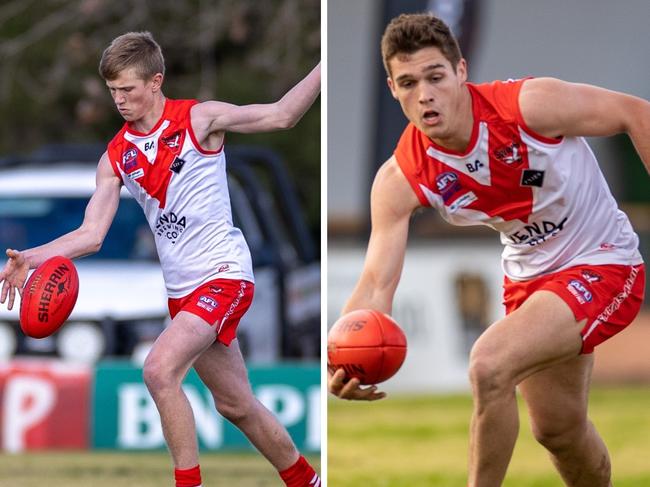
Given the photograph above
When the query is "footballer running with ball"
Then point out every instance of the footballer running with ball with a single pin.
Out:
(512, 155)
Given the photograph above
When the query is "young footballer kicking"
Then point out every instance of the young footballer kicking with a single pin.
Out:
(170, 156)
(511, 155)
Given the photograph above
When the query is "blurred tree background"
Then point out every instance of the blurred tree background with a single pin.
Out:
(238, 51)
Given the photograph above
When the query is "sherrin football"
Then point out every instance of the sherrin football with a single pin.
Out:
(48, 297)
(367, 344)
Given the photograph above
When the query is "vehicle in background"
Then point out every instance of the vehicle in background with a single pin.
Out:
(122, 303)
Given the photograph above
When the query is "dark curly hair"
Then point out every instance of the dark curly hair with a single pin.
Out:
(409, 33)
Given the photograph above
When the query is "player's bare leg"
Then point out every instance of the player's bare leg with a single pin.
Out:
(171, 357)
(541, 333)
(223, 371)
(557, 402)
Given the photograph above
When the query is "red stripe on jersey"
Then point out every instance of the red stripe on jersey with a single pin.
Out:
(156, 180)
(153, 177)
(506, 196)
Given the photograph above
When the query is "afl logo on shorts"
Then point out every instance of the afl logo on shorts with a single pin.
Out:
(579, 291)
(207, 303)
(448, 185)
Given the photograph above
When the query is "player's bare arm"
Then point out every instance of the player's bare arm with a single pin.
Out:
(85, 240)
(392, 201)
(211, 119)
(556, 108)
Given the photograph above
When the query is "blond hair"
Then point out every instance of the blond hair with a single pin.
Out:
(136, 50)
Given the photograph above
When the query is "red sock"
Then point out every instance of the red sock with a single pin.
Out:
(188, 478)
(300, 474)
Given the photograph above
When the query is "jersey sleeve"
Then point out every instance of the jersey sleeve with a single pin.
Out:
(504, 97)
(527, 129)
(410, 154)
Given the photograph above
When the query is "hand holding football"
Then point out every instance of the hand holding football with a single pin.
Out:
(367, 344)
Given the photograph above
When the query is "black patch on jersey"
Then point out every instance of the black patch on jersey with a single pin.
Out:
(177, 165)
(532, 177)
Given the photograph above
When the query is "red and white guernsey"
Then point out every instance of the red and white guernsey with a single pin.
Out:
(183, 191)
(547, 197)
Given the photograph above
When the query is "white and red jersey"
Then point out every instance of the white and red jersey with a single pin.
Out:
(547, 197)
(183, 191)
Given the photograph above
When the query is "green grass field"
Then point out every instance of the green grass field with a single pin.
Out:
(422, 441)
(93, 469)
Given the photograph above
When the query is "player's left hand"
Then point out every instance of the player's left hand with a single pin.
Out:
(13, 276)
(351, 389)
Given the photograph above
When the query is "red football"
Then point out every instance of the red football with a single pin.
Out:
(48, 297)
(367, 344)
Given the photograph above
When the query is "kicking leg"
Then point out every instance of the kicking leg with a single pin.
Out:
(557, 401)
(541, 333)
(223, 371)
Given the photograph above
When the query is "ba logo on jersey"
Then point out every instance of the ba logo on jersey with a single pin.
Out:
(448, 185)
(474, 166)
(130, 159)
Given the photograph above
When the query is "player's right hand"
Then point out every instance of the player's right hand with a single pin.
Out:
(13, 276)
(351, 389)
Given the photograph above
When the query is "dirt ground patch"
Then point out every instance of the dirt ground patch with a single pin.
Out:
(625, 358)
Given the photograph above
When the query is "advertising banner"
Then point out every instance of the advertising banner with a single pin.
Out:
(44, 405)
(125, 417)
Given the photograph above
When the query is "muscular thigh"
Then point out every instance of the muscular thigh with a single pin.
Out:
(557, 397)
(539, 334)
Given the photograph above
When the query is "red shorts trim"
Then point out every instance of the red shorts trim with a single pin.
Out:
(220, 302)
(608, 296)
